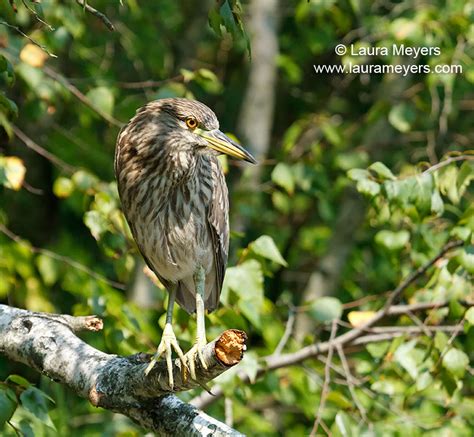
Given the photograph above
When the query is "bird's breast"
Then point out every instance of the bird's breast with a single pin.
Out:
(169, 222)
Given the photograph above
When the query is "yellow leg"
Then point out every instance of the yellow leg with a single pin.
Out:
(199, 281)
(168, 343)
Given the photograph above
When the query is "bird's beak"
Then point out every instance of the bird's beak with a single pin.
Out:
(222, 143)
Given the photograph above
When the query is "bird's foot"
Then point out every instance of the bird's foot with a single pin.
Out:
(167, 344)
(194, 353)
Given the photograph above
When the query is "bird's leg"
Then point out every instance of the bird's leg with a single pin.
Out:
(168, 342)
(199, 281)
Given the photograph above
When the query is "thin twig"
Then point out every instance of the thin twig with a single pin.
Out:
(35, 14)
(32, 190)
(448, 161)
(455, 333)
(101, 16)
(348, 375)
(417, 273)
(354, 381)
(419, 323)
(448, 89)
(228, 412)
(17, 29)
(287, 334)
(421, 306)
(42, 151)
(17, 239)
(149, 83)
(79, 95)
(426, 329)
(327, 379)
(326, 428)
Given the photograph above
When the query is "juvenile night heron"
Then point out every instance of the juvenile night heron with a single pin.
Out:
(174, 197)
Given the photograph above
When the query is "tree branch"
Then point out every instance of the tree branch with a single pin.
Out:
(102, 17)
(47, 343)
(80, 96)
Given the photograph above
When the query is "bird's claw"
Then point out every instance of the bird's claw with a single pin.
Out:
(167, 344)
(196, 350)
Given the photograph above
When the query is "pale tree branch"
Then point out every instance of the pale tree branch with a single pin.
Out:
(48, 344)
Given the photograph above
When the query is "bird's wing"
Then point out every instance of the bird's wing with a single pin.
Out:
(218, 220)
(167, 284)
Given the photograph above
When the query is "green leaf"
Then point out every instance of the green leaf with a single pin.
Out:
(7, 70)
(399, 191)
(357, 174)
(208, 81)
(382, 171)
(34, 401)
(249, 365)
(378, 350)
(325, 309)
(7, 126)
(423, 191)
(282, 176)
(447, 183)
(469, 316)
(228, 15)
(17, 379)
(465, 257)
(345, 425)
(96, 223)
(9, 106)
(281, 202)
(48, 269)
(401, 117)
(338, 399)
(388, 386)
(440, 341)
(437, 205)
(102, 98)
(368, 187)
(461, 232)
(465, 176)
(246, 281)
(456, 362)
(84, 180)
(392, 241)
(266, 247)
(8, 404)
(405, 356)
(424, 381)
(12, 172)
(63, 187)
(449, 382)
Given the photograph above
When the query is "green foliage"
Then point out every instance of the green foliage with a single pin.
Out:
(325, 309)
(401, 142)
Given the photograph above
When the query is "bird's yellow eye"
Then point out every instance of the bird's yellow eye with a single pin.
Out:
(191, 123)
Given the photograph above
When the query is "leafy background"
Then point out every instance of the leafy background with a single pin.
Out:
(366, 178)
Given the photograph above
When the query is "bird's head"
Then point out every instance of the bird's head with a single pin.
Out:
(190, 126)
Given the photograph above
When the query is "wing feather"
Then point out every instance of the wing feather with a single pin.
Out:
(218, 220)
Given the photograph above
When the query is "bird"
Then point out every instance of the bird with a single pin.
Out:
(175, 199)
